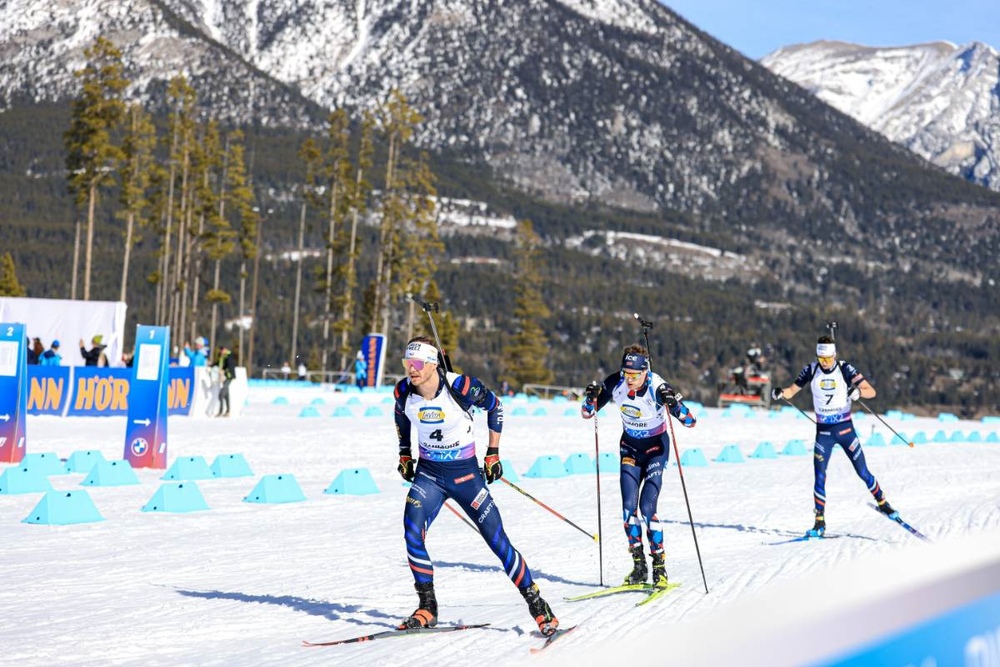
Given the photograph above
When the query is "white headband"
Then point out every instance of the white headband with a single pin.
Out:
(826, 350)
(422, 352)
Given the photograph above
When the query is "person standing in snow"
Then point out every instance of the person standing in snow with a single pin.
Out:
(439, 406)
(643, 399)
(835, 385)
(360, 371)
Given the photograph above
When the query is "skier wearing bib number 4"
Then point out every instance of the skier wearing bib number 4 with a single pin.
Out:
(641, 396)
(439, 405)
(834, 386)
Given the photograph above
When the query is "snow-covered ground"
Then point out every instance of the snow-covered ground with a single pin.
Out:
(243, 583)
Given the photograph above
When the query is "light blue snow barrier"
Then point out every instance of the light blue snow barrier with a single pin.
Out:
(373, 411)
(737, 410)
(940, 436)
(894, 414)
(610, 462)
(519, 411)
(342, 411)
(789, 410)
(189, 467)
(180, 497)
(61, 508)
(309, 411)
(947, 417)
(957, 436)
(111, 473)
(83, 460)
(571, 412)
(876, 440)
(908, 416)
(276, 489)
(974, 436)
(559, 398)
(44, 463)
(389, 400)
(765, 450)
(318, 401)
(533, 399)
(539, 412)
(903, 440)
(992, 437)
(18, 479)
(520, 396)
(546, 466)
(694, 458)
(795, 448)
(231, 465)
(695, 407)
(353, 482)
(509, 473)
(354, 400)
(279, 400)
(990, 419)
(730, 454)
(579, 464)
(919, 438)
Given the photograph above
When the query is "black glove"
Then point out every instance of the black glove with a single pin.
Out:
(406, 467)
(668, 397)
(776, 393)
(492, 467)
(593, 390)
(854, 393)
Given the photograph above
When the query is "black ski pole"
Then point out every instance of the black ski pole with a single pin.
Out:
(804, 414)
(875, 414)
(646, 326)
(600, 542)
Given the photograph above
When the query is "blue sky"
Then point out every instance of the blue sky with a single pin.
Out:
(758, 27)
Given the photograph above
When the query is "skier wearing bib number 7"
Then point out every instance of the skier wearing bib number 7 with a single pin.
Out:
(437, 405)
(835, 384)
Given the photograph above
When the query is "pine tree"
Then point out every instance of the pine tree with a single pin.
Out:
(337, 171)
(135, 175)
(241, 200)
(91, 154)
(311, 156)
(9, 285)
(525, 356)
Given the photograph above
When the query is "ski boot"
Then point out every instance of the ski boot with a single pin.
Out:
(639, 571)
(819, 527)
(425, 615)
(540, 610)
(659, 572)
(885, 508)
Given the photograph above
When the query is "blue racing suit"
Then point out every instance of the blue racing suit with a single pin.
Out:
(644, 450)
(448, 468)
(834, 425)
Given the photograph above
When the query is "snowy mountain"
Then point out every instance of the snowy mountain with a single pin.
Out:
(940, 100)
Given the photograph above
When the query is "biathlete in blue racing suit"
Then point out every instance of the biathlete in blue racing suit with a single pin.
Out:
(438, 407)
(643, 398)
(835, 385)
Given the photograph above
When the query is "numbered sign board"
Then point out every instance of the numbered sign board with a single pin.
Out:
(13, 392)
(146, 433)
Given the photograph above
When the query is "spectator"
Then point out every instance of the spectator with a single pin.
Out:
(95, 355)
(198, 356)
(35, 351)
(360, 370)
(286, 370)
(303, 371)
(51, 356)
(128, 358)
(227, 371)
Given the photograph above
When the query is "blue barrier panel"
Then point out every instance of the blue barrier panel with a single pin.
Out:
(61, 508)
(281, 488)
(876, 440)
(947, 417)
(546, 466)
(354, 482)
(509, 473)
(957, 436)
(279, 400)
(83, 460)
(610, 463)
(540, 412)
(180, 497)
(730, 454)
(693, 458)
(189, 467)
(940, 436)
(559, 398)
(231, 465)
(111, 473)
(571, 412)
(765, 450)
(576, 464)
(992, 437)
(919, 438)
(342, 411)
(309, 411)
(354, 400)
(17, 480)
(519, 411)
(45, 463)
(317, 401)
(373, 411)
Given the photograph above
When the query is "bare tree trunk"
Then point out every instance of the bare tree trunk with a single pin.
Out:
(253, 300)
(242, 319)
(76, 261)
(215, 304)
(350, 282)
(298, 283)
(327, 308)
(129, 224)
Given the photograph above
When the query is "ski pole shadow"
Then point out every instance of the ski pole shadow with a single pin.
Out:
(332, 611)
(776, 532)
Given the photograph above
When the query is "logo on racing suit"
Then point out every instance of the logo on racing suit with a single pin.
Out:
(480, 497)
(466, 478)
(631, 411)
(828, 383)
(430, 415)
(413, 501)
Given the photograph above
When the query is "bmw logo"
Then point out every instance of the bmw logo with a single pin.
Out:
(139, 446)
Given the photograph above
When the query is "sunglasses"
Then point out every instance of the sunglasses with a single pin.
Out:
(415, 364)
(632, 375)
(827, 360)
